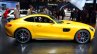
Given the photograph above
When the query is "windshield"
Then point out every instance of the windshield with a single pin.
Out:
(55, 19)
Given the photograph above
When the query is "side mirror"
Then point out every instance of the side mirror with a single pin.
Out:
(51, 22)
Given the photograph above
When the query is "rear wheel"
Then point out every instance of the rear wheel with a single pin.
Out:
(22, 35)
(82, 36)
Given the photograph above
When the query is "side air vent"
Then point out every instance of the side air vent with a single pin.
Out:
(68, 23)
(66, 29)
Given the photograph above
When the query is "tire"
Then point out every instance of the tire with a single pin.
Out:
(82, 36)
(22, 35)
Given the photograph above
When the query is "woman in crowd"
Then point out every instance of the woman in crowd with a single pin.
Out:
(31, 10)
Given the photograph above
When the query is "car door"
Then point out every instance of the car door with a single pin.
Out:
(46, 28)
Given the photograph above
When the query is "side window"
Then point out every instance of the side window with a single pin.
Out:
(31, 19)
(43, 19)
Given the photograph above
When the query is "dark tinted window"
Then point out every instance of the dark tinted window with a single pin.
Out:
(39, 19)
(43, 19)
(31, 19)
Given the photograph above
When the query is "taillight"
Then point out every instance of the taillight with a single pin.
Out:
(8, 25)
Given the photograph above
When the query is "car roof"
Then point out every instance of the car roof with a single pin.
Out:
(37, 14)
(40, 14)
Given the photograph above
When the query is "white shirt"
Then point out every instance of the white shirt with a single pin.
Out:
(16, 13)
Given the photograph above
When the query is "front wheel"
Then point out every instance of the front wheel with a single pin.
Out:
(22, 35)
(82, 36)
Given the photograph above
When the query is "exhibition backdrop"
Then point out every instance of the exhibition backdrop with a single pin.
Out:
(8, 4)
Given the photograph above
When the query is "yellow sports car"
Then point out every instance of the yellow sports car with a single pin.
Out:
(42, 26)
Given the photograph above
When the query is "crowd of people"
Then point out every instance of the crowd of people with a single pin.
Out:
(84, 16)
(87, 16)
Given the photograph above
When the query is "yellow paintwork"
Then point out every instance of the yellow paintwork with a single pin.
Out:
(52, 31)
